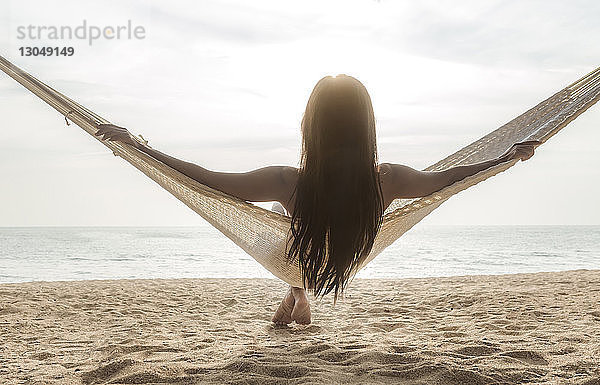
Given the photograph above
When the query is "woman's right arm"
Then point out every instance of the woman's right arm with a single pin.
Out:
(406, 182)
(261, 185)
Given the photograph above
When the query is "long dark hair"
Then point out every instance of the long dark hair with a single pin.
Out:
(339, 204)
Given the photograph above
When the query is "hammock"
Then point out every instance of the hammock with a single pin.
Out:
(263, 233)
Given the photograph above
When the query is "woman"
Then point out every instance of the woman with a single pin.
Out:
(338, 195)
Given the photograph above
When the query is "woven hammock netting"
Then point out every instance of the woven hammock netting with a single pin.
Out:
(263, 233)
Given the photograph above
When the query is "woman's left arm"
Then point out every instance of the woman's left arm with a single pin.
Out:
(260, 185)
(406, 182)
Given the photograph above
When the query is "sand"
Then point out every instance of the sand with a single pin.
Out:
(541, 328)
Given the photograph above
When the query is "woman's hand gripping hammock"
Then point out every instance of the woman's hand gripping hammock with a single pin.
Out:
(112, 133)
(523, 150)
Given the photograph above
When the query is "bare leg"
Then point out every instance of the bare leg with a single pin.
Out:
(283, 315)
(301, 312)
(295, 305)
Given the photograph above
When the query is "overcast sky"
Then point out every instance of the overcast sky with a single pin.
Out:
(225, 83)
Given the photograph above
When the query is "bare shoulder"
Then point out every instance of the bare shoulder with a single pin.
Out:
(384, 169)
(400, 181)
(289, 175)
(386, 173)
(397, 172)
(406, 182)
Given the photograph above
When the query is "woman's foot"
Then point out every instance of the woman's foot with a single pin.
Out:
(294, 307)
(301, 311)
(283, 315)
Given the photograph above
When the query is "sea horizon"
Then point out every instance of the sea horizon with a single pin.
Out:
(68, 253)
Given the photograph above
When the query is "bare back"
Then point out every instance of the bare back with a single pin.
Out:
(290, 177)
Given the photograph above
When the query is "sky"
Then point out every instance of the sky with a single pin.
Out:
(224, 84)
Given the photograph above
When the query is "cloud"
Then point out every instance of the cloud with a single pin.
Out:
(548, 34)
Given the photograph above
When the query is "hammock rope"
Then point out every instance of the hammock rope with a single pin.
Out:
(263, 233)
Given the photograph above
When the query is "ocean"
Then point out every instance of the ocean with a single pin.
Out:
(82, 253)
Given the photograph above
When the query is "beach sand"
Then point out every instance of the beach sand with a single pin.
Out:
(541, 328)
